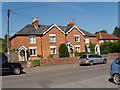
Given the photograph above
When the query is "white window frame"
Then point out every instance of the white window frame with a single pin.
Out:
(51, 48)
(78, 38)
(86, 39)
(52, 35)
(77, 46)
(32, 40)
(88, 49)
(35, 51)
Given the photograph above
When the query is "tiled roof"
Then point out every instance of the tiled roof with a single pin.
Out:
(31, 30)
(106, 36)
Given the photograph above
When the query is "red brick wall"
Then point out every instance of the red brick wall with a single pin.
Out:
(24, 41)
(70, 37)
(60, 38)
(59, 61)
(93, 40)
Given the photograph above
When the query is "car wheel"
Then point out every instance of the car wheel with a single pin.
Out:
(16, 70)
(104, 61)
(116, 79)
(91, 63)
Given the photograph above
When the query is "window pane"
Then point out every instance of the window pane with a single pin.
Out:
(32, 39)
(53, 50)
(52, 39)
(30, 51)
(77, 39)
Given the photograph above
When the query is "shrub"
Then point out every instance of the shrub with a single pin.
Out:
(110, 47)
(63, 51)
(36, 62)
(12, 49)
(76, 53)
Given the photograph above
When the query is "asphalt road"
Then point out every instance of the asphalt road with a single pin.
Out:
(61, 76)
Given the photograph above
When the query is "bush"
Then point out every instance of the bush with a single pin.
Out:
(12, 49)
(110, 47)
(76, 53)
(36, 62)
(63, 51)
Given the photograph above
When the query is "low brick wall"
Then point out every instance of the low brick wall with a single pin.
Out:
(111, 56)
(59, 61)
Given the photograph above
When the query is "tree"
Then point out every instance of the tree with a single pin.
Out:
(116, 32)
(102, 31)
(4, 44)
(92, 47)
(86, 49)
(110, 47)
(63, 51)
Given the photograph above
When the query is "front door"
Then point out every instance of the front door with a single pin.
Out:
(22, 55)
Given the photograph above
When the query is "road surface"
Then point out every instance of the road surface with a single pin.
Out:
(62, 76)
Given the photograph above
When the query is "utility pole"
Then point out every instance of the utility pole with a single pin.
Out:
(8, 44)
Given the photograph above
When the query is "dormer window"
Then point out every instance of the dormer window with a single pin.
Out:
(32, 39)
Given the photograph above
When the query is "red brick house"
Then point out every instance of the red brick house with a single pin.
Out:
(45, 39)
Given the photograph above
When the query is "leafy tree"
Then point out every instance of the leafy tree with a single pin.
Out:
(4, 44)
(63, 51)
(92, 47)
(102, 31)
(86, 50)
(110, 47)
(116, 32)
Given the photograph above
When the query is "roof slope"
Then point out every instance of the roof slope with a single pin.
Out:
(106, 36)
(31, 30)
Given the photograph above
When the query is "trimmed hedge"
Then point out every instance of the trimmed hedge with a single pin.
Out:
(63, 51)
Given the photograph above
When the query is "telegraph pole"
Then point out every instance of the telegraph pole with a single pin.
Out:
(8, 44)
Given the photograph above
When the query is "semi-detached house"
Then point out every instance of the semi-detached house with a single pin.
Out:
(45, 40)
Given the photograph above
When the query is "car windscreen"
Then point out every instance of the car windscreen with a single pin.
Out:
(83, 56)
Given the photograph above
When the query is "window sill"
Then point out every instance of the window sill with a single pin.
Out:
(33, 55)
(32, 43)
(52, 42)
(77, 42)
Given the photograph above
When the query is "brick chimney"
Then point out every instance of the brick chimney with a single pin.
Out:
(72, 23)
(35, 22)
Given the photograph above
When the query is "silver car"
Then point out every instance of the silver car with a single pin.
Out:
(92, 59)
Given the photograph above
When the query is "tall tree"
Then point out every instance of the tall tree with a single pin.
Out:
(102, 31)
(116, 31)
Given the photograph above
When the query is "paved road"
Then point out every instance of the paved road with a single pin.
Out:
(62, 76)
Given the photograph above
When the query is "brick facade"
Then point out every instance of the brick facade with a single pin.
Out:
(43, 43)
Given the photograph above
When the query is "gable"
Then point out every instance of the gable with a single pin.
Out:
(51, 29)
(76, 28)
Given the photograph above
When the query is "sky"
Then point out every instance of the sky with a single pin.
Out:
(89, 16)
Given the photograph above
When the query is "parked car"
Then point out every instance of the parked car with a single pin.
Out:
(5, 66)
(92, 59)
(115, 70)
